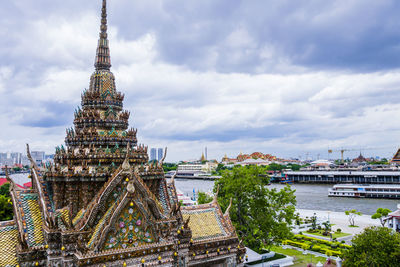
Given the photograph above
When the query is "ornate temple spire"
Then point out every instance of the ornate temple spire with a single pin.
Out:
(103, 61)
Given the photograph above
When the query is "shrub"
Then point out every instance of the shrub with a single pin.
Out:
(298, 237)
(316, 248)
(342, 241)
(345, 246)
(336, 253)
(328, 252)
(323, 250)
(298, 244)
(338, 230)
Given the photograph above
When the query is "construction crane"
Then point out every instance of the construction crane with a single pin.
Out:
(351, 149)
(330, 151)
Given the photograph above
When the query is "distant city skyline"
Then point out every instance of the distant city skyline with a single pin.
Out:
(286, 78)
(10, 158)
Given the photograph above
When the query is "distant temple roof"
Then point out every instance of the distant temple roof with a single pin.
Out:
(360, 159)
(396, 157)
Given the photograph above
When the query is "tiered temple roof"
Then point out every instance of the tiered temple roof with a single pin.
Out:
(396, 157)
(102, 204)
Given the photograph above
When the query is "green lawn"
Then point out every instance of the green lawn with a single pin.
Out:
(334, 235)
(300, 260)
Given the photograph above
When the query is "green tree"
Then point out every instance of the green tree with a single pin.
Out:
(352, 215)
(275, 167)
(6, 211)
(294, 167)
(383, 161)
(327, 226)
(203, 198)
(262, 216)
(314, 222)
(169, 167)
(16, 169)
(375, 247)
(220, 168)
(5, 190)
(380, 214)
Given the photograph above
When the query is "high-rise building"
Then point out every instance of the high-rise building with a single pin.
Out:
(38, 157)
(103, 204)
(24, 160)
(16, 156)
(153, 154)
(160, 154)
(3, 158)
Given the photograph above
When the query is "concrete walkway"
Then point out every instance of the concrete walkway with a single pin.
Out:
(340, 220)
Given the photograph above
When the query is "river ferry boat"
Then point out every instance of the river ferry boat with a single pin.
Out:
(365, 191)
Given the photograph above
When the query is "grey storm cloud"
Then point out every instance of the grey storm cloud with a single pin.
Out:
(278, 76)
(241, 36)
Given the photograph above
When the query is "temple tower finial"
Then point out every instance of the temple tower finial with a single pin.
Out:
(103, 61)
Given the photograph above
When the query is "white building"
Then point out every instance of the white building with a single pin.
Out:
(394, 219)
(207, 167)
(38, 157)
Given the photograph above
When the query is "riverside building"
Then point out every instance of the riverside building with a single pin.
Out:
(345, 176)
(102, 204)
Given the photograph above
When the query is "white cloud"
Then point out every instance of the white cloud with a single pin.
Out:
(288, 112)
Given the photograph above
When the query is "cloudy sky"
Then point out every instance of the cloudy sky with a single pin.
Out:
(290, 78)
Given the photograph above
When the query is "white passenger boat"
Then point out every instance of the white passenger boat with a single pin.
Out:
(365, 190)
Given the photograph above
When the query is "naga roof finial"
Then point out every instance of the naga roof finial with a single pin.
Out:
(228, 208)
(173, 178)
(28, 153)
(103, 61)
(215, 199)
(12, 184)
(165, 155)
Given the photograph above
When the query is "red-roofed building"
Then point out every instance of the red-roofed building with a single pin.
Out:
(3, 181)
(28, 185)
(24, 186)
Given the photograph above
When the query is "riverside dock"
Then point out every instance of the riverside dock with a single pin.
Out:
(348, 177)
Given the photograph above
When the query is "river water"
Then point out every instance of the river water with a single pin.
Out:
(309, 196)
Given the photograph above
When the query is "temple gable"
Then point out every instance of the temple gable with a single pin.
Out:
(130, 229)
